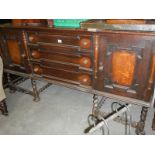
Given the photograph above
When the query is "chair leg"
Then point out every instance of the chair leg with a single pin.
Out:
(3, 108)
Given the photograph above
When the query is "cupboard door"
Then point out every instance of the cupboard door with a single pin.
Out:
(126, 61)
(12, 44)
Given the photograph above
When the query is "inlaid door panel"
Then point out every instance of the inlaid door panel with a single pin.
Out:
(13, 47)
(123, 67)
(126, 61)
(14, 51)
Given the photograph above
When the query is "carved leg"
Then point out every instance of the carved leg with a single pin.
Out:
(12, 90)
(95, 105)
(35, 92)
(95, 117)
(3, 108)
(92, 119)
(141, 124)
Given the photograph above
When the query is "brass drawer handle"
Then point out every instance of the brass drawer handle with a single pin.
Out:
(23, 56)
(85, 62)
(35, 54)
(84, 79)
(37, 69)
(31, 38)
(85, 43)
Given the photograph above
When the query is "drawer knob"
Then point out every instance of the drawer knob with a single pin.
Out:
(85, 43)
(33, 38)
(23, 56)
(85, 62)
(35, 54)
(37, 69)
(84, 79)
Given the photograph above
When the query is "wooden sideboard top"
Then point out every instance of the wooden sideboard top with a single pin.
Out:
(92, 28)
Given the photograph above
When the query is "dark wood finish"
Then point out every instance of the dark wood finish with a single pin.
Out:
(34, 22)
(153, 123)
(141, 124)
(3, 108)
(125, 21)
(119, 64)
(66, 73)
(73, 40)
(126, 60)
(12, 45)
(5, 80)
(70, 55)
(150, 82)
(35, 92)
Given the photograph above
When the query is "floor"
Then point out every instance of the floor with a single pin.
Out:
(61, 111)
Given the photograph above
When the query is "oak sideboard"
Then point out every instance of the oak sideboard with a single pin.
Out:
(118, 64)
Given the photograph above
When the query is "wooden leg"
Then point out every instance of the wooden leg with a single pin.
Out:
(153, 122)
(12, 90)
(95, 105)
(3, 108)
(141, 124)
(35, 91)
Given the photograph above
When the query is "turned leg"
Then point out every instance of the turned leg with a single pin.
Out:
(12, 90)
(95, 105)
(3, 108)
(141, 124)
(35, 91)
(92, 119)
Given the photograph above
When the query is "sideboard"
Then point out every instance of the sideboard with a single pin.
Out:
(116, 64)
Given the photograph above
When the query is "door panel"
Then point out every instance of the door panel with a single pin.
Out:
(123, 67)
(126, 61)
(13, 48)
(14, 51)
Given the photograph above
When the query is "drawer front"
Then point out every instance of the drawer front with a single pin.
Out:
(65, 73)
(62, 54)
(83, 41)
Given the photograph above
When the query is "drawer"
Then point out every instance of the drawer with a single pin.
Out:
(83, 41)
(66, 74)
(62, 55)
